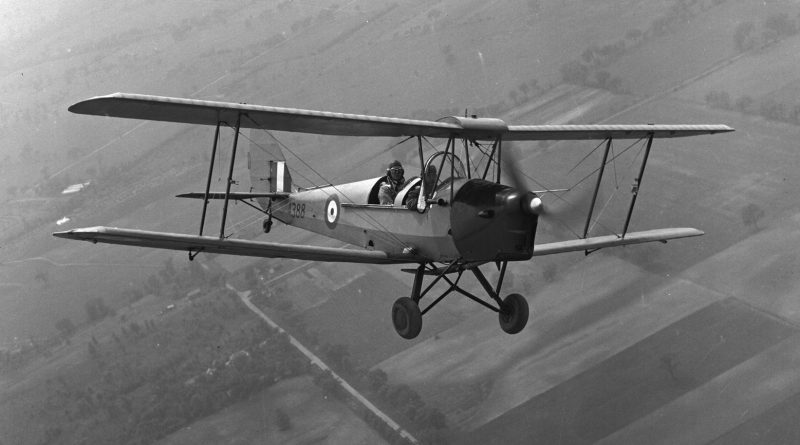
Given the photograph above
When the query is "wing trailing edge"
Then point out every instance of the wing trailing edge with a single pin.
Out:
(194, 243)
(600, 242)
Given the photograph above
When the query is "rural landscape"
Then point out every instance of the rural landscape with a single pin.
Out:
(693, 341)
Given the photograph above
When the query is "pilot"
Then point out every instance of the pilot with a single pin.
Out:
(430, 181)
(392, 184)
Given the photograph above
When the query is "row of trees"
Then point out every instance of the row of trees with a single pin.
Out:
(769, 108)
(749, 35)
(202, 366)
(589, 69)
(401, 402)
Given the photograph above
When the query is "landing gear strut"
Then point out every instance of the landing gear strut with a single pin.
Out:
(267, 224)
(513, 311)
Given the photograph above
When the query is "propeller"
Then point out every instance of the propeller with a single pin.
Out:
(494, 221)
(559, 211)
(531, 203)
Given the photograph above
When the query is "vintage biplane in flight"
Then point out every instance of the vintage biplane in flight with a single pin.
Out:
(460, 217)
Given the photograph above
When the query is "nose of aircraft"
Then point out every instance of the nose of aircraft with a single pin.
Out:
(492, 221)
(532, 204)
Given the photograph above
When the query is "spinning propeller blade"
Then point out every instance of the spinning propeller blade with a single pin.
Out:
(559, 212)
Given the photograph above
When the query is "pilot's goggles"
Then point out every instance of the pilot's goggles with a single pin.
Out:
(397, 170)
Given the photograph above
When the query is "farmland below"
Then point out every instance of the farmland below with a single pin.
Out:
(629, 345)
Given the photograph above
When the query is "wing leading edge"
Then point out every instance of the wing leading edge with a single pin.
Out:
(600, 242)
(203, 112)
(178, 241)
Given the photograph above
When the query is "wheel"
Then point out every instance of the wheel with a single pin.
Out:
(406, 317)
(513, 314)
(267, 225)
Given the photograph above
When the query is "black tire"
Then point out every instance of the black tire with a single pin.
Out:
(513, 314)
(406, 317)
(267, 225)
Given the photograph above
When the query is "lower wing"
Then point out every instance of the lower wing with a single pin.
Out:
(194, 243)
(599, 242)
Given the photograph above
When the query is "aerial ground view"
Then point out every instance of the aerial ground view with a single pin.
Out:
(694, 340)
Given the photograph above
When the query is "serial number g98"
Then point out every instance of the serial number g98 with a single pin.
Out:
(297, 210)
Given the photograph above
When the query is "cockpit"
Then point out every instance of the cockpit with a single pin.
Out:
(441, 169)
(439, 172)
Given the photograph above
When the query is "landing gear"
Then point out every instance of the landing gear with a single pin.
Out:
(267, 224)
(406, 317)
(513, 311)
(513, 314)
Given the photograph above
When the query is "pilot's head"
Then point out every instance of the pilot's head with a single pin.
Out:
(395, 171)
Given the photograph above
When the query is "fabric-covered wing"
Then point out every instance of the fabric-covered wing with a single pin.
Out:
(600, 242)
(203, 112)
(577, 132)
(191, 111)
(178, 241)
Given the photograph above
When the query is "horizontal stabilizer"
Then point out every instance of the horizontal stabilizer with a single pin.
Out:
(194, 243)
(235, 196)
(599, 242)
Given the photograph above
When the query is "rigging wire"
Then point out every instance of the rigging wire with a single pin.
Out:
(569, 203)
(379, 153)
(596, 221)
(611, 160)
(365, 217)
(238, 226)
(587, 155)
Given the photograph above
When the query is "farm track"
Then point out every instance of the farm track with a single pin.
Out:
(316, 361)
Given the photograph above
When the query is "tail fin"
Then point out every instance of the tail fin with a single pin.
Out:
(267, 165)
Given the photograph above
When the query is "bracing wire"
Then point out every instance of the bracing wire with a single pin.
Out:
(366, 218)
(607, 162)
(597, 222)
(559, 197)
(587, 156)
(378, 153)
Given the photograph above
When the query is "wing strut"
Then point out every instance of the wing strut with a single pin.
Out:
(208, 181)
(637, 183)
(230, 175)
(208, 195)
(596, 189)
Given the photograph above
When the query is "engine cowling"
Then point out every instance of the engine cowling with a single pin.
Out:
(494, 222)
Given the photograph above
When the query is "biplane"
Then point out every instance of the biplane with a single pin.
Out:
(454, 217)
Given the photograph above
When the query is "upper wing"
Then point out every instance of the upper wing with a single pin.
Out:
(574, 132)
(191, 111)
(599, 242)
(189, 243)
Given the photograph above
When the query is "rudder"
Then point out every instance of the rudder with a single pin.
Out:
(267, 165)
